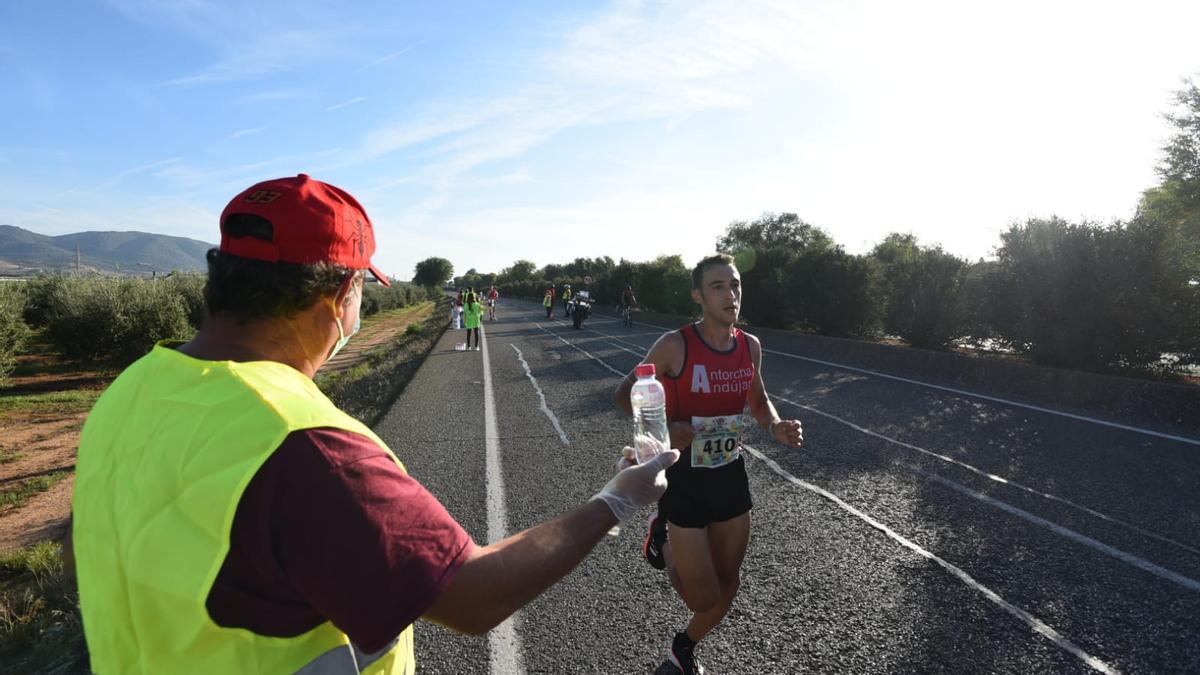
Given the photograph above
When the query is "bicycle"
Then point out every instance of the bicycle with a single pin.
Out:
(627, 316)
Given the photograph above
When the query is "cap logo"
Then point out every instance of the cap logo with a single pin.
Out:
(263, 196)
(359, 236)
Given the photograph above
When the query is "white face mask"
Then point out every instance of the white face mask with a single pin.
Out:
(343, 338)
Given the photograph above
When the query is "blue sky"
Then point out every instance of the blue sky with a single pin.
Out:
(486, 132)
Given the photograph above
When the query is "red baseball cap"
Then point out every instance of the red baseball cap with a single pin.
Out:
(311, 222)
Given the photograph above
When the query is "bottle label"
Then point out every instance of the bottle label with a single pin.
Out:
(717, 441)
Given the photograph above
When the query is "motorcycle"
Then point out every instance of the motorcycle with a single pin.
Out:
(579, 308)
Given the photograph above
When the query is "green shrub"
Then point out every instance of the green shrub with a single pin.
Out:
(43, 295)
(190, 288)
(414, 329)
(378, 298)
(13, 331)
(116, 321)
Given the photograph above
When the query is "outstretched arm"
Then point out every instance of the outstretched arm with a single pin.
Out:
(499, 579)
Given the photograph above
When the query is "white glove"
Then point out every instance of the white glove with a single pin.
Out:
(636, 485)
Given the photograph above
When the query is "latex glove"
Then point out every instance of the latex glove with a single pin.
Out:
(636, 485)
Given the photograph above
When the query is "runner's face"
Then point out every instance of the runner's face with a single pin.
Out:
(720, 293)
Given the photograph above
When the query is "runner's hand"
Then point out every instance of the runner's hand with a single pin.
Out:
(636, 485)
(682, 434)
(788, 432)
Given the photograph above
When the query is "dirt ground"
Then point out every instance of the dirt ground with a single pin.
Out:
(46, 441)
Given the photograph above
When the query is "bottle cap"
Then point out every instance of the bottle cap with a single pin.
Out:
(645, 370)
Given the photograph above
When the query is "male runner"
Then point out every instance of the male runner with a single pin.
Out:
(492, 296)
(710, 370)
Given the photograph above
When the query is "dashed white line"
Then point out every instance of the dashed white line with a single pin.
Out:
(541, 397)
(504, 643)
(1032, 621)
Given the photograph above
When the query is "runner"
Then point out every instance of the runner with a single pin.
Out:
(711, 370)
(492, 296)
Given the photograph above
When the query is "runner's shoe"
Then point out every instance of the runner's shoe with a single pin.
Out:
(656, 537)
(683, 655)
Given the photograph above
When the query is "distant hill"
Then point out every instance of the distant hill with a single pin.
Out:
(24, 252)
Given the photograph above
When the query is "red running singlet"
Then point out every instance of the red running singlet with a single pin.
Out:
(710, 392)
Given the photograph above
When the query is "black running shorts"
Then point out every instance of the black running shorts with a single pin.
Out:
(698, 497)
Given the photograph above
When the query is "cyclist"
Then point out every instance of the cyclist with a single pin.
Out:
(628, 302)
(711, 370)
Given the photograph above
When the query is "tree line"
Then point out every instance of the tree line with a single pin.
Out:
(112, 321)
(1121, 296)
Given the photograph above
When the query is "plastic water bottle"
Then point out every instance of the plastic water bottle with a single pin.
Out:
(649, 400)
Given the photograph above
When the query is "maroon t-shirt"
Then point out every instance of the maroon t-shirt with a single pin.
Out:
(331, 529)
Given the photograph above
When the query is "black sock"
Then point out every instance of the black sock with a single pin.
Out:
(684, 642)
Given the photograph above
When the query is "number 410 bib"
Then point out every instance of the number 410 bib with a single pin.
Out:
(717, 441)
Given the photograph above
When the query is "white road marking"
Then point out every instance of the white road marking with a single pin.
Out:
(980, 472)
(541, 396)
(991, 476)
(506, 657)
(963, 392)
(1156, 570)
(586, 353)
(1032, 621)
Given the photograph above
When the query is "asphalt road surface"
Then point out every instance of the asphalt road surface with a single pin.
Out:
(919, 529)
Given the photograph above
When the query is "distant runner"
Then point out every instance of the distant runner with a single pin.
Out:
(492, 296)
(710, 370)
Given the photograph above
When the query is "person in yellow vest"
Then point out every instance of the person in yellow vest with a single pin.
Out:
(548, 303)
(228, 518)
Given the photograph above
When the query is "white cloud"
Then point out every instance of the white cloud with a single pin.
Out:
(347, 103)
(245, 132)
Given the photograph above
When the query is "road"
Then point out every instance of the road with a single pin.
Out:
(919, 530)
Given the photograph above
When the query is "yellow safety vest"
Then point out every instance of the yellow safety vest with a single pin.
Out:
(164, 458)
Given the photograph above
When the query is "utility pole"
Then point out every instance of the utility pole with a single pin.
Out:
(76, 259)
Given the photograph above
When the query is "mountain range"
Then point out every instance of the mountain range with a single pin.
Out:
(23, 252)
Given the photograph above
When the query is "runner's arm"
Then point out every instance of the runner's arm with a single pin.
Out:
(667, 355)
(788, 432)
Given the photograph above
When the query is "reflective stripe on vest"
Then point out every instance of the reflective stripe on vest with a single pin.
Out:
(164, 458)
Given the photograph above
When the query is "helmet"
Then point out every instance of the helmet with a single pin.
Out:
(566, 285)
(629, 287)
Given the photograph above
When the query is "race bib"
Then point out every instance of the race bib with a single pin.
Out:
(717, 441)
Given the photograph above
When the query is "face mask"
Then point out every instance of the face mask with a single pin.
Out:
(342, 337)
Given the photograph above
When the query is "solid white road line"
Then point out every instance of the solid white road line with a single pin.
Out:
(1156, 570)
(1032, 621)
(992, 476)
(541, 397)
(506, 657)
(979, 472)
(963, 392)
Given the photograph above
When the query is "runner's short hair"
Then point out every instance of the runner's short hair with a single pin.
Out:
(711, 261)
(252, 290)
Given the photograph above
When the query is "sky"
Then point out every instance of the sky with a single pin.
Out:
(486, 132)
